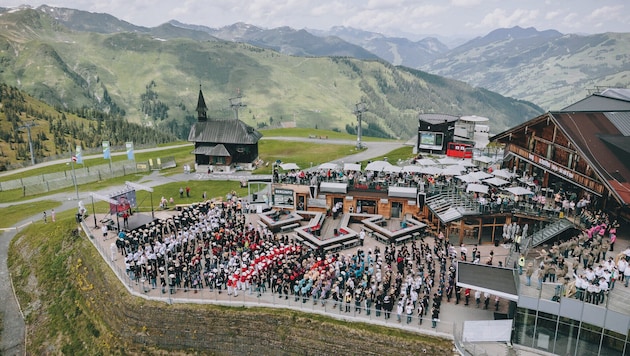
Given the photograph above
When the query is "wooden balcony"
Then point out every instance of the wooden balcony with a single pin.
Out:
(557, 168)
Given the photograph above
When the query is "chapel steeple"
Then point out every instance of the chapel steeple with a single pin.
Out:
(201, 107)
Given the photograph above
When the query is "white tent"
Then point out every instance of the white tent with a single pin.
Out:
(519, 191)
(328, 165)
(503, 173)
(289, 166)
(496, 181)
(479, 188)
(351, 167)
(377, 166)
(426, 162)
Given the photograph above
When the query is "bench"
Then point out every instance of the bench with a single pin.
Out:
(402, 239)
(309, 244)
(289, 227)
(380, 238)
(332, 248)
(350, 243)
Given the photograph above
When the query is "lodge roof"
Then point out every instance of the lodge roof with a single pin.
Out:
(599, 127)
(437, 118)
(602, 144)
(229, 131)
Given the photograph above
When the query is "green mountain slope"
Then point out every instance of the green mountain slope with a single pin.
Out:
(154, 80)
(54, 133)
(546, 67)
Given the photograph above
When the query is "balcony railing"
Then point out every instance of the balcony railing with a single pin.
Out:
(557, 168)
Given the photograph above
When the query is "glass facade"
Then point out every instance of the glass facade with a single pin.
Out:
(565, 336)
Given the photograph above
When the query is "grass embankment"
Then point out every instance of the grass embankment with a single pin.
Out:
(73, 305)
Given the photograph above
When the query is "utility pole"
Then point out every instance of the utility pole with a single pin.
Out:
(30, 140)
(73, 158)
(360, 108)
(236, 103)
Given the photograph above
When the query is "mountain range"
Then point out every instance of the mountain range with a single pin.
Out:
(75, 60)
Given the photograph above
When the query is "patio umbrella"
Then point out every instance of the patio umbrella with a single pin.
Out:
(519, 191)
(412, 169)
(432, 170)
(377, 166)
(448, 161)
(479, 188)
(467, 178)
(351, 167)
(289, 166)
(503, 173)
(479, 175)
(496, 181)
(328, 165)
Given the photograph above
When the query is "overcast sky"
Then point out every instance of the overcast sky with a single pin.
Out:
(391, 17)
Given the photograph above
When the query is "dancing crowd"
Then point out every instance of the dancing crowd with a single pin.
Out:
(213, 246)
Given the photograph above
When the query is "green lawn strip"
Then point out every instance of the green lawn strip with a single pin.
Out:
(317, 133)
(13, 214)
(304, 154)
(402, 153)
(180, 153)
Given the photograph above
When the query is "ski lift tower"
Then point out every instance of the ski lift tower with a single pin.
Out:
(360, 108)
(236, 103)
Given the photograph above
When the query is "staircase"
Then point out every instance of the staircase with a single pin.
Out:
(550, 231)
(450, 205)
(537, 238)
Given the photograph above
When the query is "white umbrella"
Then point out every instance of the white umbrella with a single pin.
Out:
(412, 169)
(393, 169)
(448, 161)
(496, 181)
(479, 188)
(351, 167)
(289, 166)
(466, 163)
(503, 173)
(377, 166)
(452, 170)
(482, 159)
(328, 165)
(479, 175)
(467, 178)
(519, 191)
(426, 162)
(432, 170)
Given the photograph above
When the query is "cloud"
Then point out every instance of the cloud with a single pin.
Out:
(606, 12)
(465, 3)
(499, 18)
(551, 15)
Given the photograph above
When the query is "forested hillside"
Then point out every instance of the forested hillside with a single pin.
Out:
(55, 132)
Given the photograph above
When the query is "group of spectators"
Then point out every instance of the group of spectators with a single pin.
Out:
(214, 246)
(582, 265)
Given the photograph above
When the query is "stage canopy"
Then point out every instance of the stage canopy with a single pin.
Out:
(499, 281)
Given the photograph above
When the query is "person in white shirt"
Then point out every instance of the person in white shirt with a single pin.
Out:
(622, 264)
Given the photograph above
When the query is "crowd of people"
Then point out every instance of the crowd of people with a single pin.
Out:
(582, 265)
(214, 246)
